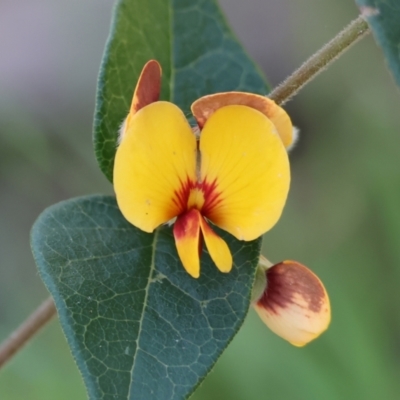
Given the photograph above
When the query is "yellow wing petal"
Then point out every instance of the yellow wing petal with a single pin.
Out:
(187, 241)
(244, 160)
(216, 246)
(156, 158)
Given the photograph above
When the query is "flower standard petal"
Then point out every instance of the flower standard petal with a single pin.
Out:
(245, 167)
(217, 247)
(187, 240)
(204, 107)
(154, 162)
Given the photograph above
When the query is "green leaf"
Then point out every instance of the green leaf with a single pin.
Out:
(138, 325)
(383, 16)
(191, 40)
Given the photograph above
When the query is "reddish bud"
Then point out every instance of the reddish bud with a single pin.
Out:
(294, 304)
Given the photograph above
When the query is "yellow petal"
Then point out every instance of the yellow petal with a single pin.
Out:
(295, 304)
(216, 246)
(187, 229)
(155, 160)
(204, 107)
(246, 166)
(187, 240)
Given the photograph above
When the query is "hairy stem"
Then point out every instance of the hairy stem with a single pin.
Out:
(350, 35)
(39, 318)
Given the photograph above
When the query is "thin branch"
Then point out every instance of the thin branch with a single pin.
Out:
(39, 318)
(350, 35)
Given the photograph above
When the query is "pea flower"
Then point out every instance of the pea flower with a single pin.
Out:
(235, 175)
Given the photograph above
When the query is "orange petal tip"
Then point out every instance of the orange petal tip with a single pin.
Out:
(148, 87)
(147, 91)
(204, 107)
(295, 304)
(187, 240)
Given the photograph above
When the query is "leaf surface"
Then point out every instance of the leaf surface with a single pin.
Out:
(138, 325)
(198, 53)
(383, 16)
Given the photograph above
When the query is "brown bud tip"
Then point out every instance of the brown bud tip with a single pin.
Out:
(147, 91)
(148, 86)
(295, 304)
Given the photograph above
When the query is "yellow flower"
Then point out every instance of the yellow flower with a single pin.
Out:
(236, 175)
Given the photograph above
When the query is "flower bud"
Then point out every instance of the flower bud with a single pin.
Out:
(294, 304)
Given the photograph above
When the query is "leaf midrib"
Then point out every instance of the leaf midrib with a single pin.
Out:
(149, 281)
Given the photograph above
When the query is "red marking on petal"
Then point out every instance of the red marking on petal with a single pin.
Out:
(211, 195)
(187, 224)
(288, 279)
(182, 195)
(187, 228)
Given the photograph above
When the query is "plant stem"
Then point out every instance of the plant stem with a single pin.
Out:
(350, 35)
(39, 318)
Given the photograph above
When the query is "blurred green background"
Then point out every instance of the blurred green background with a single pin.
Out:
(342, 218)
